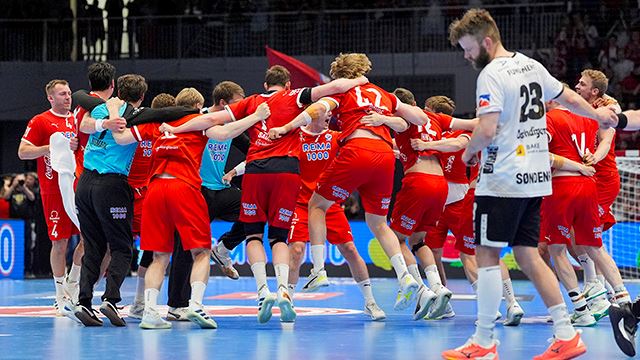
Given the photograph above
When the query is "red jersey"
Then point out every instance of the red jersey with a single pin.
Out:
(570, 135)
(608, 164)
(456, 171)
(431, 131)
(285, 105)
(141, 165)
(179, 155)
(78, 115)
(316, 153)
(354, 104)
(39, 130)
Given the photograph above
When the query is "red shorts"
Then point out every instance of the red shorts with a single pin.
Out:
(457, 217)
(269, 198)
(170, 205)
(363, 164)
(419, 203)
(572, 205)
(59, 225)
(338, 229)
(608, 184)
(138, 200)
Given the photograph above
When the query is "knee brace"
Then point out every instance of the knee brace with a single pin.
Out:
(416, 247)
(277, 235)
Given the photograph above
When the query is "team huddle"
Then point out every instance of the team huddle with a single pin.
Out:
(535, 170)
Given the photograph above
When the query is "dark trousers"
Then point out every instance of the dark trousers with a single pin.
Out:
(105, 211)
(225, 204)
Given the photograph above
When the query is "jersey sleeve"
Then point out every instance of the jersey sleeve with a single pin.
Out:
(145, 131)
(240, 109)
(34, 134)
(551, 87)
(489, 93)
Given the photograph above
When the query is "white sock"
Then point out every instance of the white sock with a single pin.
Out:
(282, 274)
(317, 257)
(399, 265)
(415, 272)
(507, 291)
(74, 273)
(139, 290)
(259, 270)
(474, 286)
(292, 290)
(435, 283)
(365, 288)
(197, 293)
(562, 327)
(588, 266)
(489, 298)
(151, 298)
(59, 282)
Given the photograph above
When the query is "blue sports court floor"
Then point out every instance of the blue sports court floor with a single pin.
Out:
(330, 325)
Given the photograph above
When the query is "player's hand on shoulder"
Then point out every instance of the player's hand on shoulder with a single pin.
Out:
(263, 111)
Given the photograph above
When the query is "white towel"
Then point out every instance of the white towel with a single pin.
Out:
(64, 163)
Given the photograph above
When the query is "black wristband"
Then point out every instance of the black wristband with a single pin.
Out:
(622, 121)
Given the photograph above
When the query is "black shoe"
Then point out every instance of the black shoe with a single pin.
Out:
(111, 312)
(87, 316)
(624, 325)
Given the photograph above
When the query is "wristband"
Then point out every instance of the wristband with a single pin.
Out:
(622, 121)
(98, 125)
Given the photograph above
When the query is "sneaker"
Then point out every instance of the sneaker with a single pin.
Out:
(425, 301)
(87, 316)
(111, 312)
(563, 349)
(315, 281)
(373, 310)
(406, 293)
(471, 350)
(514, 315)
(196, 314)
(624, 325)
(287, 313)
(440, 303)
(583, 319)
(265, 304)
(593, 289)
(177, 314)
(224, 263)
(151, 319)
(72, 289)
(599, 307)
(136, 310)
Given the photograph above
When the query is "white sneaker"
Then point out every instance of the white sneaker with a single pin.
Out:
(583, 319)
(178, 314)
(373, 310)
(443, 295)
(224, 262)
(315, 281)
(151, 319)
(265, 303)
(72, 289)
(197, 315)
(514, 315)
(425, 300)
(136, 310)
(406, 293)
(287, 313)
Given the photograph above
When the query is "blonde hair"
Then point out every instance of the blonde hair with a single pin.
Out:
(350, 66)
(598, 80)
(477, 23)
(51, 84)
(163, 100)
(189, 97)
(440, 104)
(405, 96)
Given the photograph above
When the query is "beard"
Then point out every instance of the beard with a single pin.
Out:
(482, 60)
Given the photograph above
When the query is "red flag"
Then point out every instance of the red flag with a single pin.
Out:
(302, 75)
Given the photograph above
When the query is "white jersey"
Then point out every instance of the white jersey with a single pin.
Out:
(516, 163)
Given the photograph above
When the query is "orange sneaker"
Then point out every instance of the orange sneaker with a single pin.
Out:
(563, 349)
(471, 350)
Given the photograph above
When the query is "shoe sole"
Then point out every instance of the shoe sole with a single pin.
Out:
(87, 320)
(514, 321)
(233, 275)
(424, 310)
(287, 314)
(147, 326)
(267, 305)
(113, 317)
(404, 302)
(202, 322)
(440, 305)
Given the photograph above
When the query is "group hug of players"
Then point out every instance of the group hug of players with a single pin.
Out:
(167, 182)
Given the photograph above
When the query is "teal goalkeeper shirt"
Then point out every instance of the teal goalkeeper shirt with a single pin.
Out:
(102, 153)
